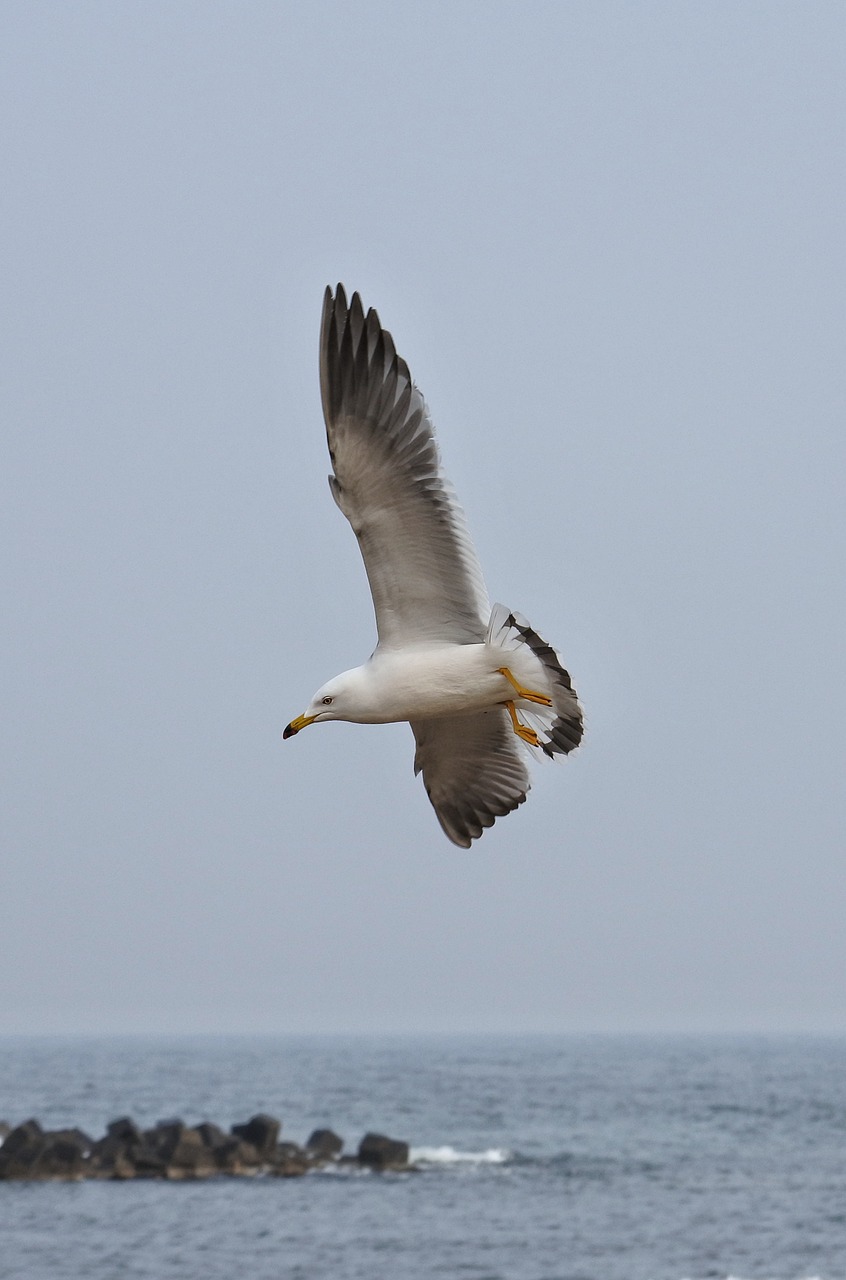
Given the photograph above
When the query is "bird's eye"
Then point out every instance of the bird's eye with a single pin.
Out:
(327, 702)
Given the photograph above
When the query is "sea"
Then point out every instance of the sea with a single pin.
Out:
(539, 1158)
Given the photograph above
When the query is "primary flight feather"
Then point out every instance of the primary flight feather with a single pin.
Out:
(460, 672)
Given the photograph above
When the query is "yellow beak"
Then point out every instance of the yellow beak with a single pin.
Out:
(299, 723)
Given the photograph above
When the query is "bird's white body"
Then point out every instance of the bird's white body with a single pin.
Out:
(426, 682)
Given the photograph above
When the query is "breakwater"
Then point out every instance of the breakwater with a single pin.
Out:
(174, 1150)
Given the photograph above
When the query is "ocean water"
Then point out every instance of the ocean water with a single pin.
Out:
(548, 1158)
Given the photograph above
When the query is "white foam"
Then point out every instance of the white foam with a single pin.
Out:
(449, 1155)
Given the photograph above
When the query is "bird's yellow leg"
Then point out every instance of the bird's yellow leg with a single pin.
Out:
(528, 694)
(522, 730)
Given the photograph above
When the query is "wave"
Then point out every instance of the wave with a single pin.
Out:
(449, 1156)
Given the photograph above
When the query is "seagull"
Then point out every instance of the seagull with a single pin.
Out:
(480, 688)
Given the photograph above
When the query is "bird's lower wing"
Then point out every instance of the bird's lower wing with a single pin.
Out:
(474, 770)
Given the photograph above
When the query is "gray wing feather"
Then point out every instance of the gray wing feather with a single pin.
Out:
(473, 768)
(424, 575)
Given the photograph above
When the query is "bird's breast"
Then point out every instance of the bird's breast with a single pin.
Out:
(434, 681)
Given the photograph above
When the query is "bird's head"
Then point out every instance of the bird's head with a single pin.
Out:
(333, 701)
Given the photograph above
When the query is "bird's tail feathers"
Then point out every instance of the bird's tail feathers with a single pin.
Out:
(559, 727)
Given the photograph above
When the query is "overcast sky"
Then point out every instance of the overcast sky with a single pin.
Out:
(608, 238)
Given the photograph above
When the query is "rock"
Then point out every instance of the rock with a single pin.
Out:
(157, 1145)
(212, 1135)
(77, 1136)
(114, 1156)
(380, 1153)
(163, 1139)
(30, 1152)
(64, 1154)
(22, 1136)
(289, 1161)
(125, 1130)
(173, 1150)
(324, 1145)
(230, 1154)
(191, 1158)
(169, 1150)
(21, 1149)
(237, 1157)
(111, 1158)
(148, 1163)
(262, 1132)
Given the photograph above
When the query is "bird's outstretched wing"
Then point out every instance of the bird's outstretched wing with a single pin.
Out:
(424, 574)
(474, 770)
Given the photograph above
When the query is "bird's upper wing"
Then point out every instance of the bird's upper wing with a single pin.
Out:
(424, 574)
(474, 770)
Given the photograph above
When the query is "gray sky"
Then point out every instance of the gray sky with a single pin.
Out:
(608, 238)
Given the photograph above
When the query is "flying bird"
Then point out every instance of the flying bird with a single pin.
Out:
(480, 689)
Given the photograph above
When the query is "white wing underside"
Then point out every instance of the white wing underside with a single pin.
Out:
(424, 575)
(474, 770)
